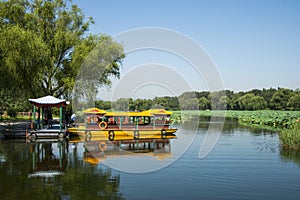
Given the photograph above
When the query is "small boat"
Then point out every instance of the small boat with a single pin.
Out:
(153, 123)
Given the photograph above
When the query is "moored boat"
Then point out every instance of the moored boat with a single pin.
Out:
(153, 123)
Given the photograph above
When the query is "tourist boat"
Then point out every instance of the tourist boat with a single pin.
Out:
(154, 123)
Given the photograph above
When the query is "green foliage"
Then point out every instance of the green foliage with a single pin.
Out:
(280, 99)
(121, 104)
(12, 112)
(44, 43)
(168, 103)
(188, 101)
(272, 119)
(222, 100)
(251, 102)
(224, 103)
(294, 102)
(203, 103)
(290, 138)
(95, 60)
(22, 58)
(105, 105)
(128, 104)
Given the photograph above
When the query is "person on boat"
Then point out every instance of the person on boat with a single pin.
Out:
(67, 118)
(73, 118)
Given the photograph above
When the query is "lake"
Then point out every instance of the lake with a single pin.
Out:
(244, 164)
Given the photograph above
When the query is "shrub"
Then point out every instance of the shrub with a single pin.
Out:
(12, 112)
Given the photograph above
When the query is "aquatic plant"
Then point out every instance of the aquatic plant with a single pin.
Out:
(290, 138)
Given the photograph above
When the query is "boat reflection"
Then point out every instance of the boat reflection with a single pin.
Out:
(49, 156)
(99, 149)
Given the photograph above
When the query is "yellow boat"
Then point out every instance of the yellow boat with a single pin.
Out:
(153, 123)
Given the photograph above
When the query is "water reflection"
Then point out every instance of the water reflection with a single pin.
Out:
(290, 155)
(243, 159)
(68, 169)
(52, 170)
(48, 158)
(98, 150)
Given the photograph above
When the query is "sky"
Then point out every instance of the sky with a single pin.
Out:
(253, 44)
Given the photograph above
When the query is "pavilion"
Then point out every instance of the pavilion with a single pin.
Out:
(39, 105)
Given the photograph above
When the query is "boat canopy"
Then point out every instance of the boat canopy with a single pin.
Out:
(94, 111)
(146, 113)
(158, 112)
(129, 114)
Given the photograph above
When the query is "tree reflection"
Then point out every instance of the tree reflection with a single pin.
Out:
(52, 170)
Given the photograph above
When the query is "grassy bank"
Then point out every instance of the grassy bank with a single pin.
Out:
(290, 139)
(14, 119)
(286, 123)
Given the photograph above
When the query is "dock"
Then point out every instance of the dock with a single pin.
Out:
(47, 133)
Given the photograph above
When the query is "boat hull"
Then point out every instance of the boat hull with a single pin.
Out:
(117, 134)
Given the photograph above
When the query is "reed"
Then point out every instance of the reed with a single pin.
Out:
(290, 138)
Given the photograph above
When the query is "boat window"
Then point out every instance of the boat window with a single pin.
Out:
(146, 120)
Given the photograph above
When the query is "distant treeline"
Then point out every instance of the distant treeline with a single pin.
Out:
(270, 99)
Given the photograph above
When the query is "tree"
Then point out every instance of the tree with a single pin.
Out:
(203, 103)
(188, 101)
(251, 102)
(104, 105)
(224, 103)
(294, 102)
(121, 104)
(214, 99)
(267, 94)
(167, 102)
(280, 99)
(22, 58)
(58, 44)
(142, 104)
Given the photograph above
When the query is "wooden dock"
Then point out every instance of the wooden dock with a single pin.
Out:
(47, 133)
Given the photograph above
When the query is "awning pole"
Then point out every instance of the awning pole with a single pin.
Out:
(60, 117)
(33, 116)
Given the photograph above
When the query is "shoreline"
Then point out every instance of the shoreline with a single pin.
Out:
(13, 129)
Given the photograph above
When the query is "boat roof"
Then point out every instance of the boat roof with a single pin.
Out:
(133, 113)
(145, 113)
(94, 111)
(158, 112)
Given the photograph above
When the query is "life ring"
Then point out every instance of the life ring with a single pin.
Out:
(136, 134)
(102, 125)
(163, 134)
(88, 135)
(102, 146)
(111, 135)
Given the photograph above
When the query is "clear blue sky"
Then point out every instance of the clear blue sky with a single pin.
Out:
(254, 44)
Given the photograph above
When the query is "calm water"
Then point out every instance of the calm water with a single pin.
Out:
(244, 164)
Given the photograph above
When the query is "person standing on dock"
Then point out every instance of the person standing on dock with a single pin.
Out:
(49, 116)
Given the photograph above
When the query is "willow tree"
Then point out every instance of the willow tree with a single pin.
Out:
(22, 57)
(44, 43)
